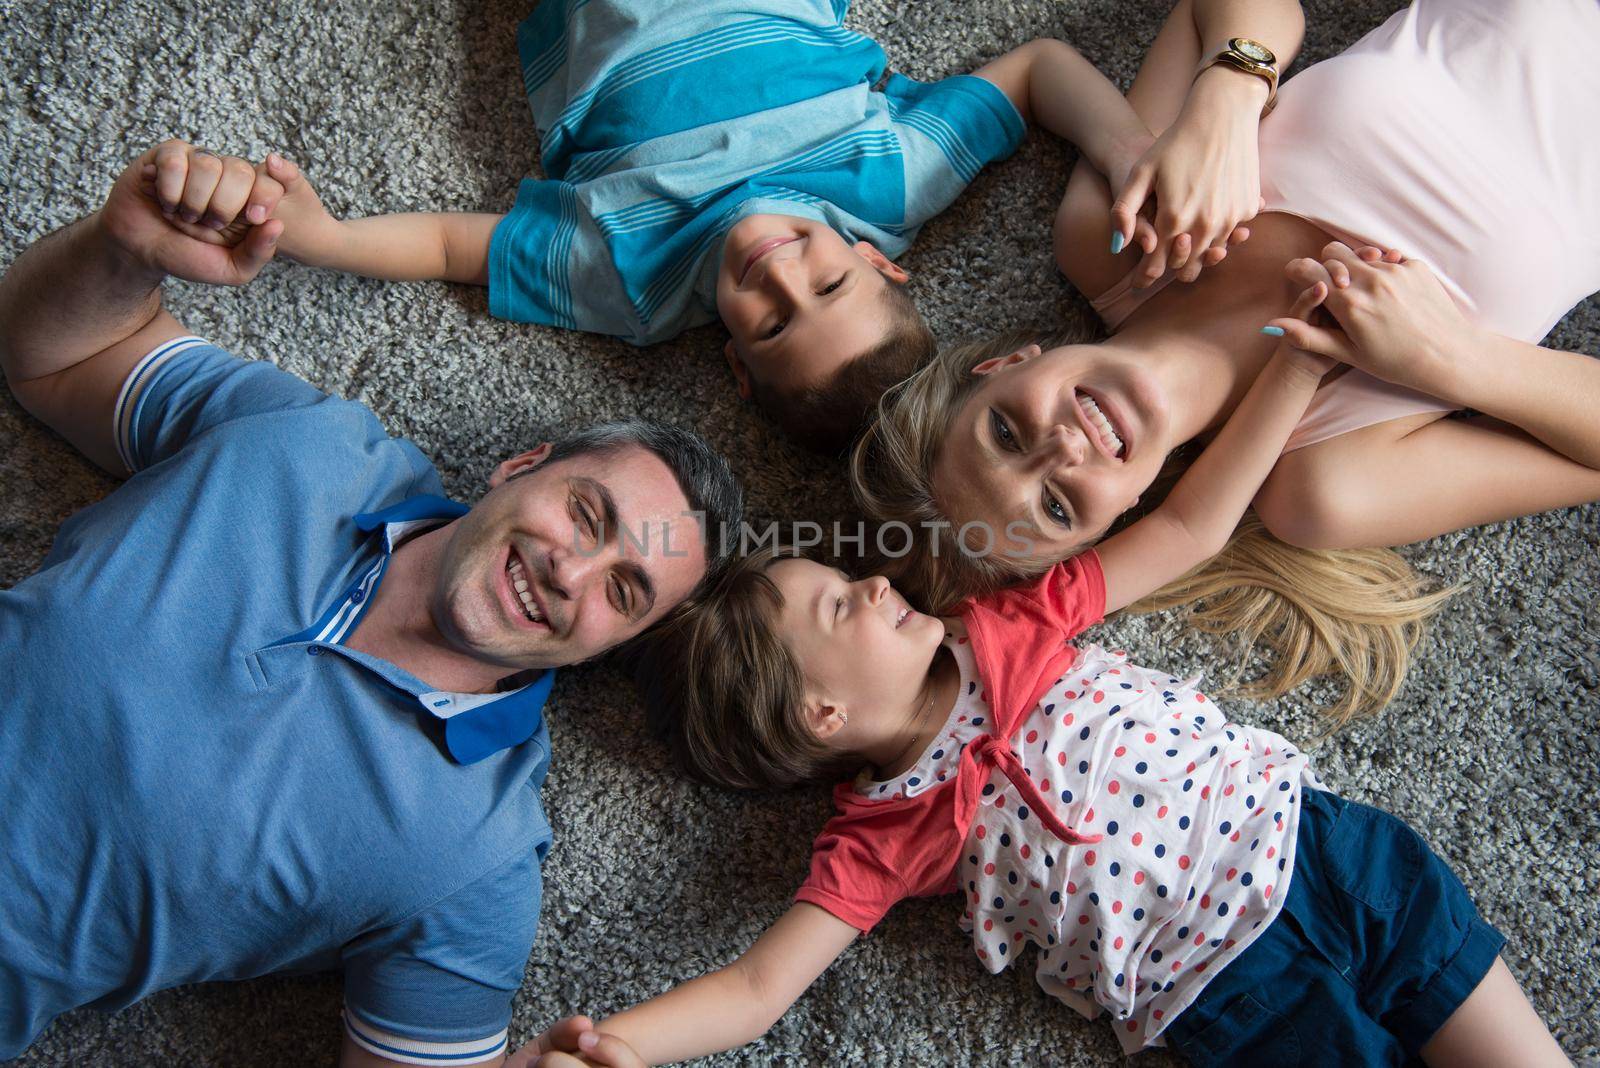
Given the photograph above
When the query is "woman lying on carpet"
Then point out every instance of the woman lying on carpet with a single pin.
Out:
(1460, 132)
(1186, 875)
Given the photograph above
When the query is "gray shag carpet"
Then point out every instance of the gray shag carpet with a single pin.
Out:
(1490, 752)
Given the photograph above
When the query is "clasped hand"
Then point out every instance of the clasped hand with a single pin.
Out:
(1392, 318)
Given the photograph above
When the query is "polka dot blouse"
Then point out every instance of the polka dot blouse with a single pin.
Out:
(1127, 829)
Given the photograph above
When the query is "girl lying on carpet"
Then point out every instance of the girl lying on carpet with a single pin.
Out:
(1184, 874)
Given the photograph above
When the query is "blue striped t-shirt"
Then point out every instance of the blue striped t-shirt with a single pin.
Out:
(663, 124)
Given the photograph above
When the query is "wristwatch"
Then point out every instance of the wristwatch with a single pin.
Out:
(1252, 57)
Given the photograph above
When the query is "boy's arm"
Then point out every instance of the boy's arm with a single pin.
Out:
(411, 247)
(1050, 83)
(1194, 522)
(733, 1005)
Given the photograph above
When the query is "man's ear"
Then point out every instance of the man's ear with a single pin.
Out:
(741, 373)
(516, 465)
(1022, 355)
(885, 266)
(824, 718)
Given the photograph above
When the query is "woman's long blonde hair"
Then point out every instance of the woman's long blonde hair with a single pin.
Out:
(1355, 612)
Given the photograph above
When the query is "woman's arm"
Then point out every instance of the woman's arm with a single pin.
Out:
(1194, 522)
(417, 246)
(1210, 119)
(734, 1005)
(1536, 447)
(1396, 322)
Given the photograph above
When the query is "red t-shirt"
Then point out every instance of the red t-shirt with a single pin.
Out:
(877, 852)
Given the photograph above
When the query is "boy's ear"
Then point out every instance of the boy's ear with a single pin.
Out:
(741, 373)
(1022, 355)
(520, 463)
(824, 719)
(885, 266)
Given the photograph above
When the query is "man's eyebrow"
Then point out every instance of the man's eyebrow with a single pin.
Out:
(608, 503)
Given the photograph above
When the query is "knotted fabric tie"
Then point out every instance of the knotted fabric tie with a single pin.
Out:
(989, 752)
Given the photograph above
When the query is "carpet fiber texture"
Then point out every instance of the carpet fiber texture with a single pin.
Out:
(1490, 751)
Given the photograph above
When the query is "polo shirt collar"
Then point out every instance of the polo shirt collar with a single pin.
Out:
(476, 725)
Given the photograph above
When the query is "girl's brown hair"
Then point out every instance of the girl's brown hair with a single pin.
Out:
(726, 694)
(1358, 612)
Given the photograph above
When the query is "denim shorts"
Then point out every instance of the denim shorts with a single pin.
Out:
(1376, 945)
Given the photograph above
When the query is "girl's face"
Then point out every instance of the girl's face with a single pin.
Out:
(1050, 448)
(862, 649)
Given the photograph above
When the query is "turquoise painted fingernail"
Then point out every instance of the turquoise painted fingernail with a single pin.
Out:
(1272, 331)
(1116, 243)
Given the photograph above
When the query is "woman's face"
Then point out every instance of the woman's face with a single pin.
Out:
(1050, 448)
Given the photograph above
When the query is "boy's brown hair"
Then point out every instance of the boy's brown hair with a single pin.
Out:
(825, 417)
(725, 693)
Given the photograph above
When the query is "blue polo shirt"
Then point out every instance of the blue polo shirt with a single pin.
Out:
(203, 783)
(663, 124)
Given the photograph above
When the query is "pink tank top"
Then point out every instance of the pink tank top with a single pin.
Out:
(1463, 132)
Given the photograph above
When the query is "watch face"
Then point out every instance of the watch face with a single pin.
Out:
(1252, 50)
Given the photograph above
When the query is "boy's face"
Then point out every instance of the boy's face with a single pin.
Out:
(798, 301)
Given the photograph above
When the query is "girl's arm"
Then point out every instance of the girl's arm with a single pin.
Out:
(1207, 129)
(418, 246)
(1194, 522)
(736, 1004)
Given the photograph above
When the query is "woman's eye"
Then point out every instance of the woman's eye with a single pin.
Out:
(1054, 509)
(838, 607)
(831, 286)
(777, 328)
(619, 595)
(1002, 431)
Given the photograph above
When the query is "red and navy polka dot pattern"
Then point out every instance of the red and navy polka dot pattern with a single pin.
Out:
(1197, 817)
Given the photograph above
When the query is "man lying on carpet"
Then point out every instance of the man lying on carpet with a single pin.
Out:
(275, 703)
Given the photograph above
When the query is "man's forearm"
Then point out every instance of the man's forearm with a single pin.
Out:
(70, 295)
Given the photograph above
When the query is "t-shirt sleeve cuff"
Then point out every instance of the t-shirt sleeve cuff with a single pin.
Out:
(1093, 577)
(130, 399)
(861, 919)
(411, 1050)
(999, 137)
(529, 261)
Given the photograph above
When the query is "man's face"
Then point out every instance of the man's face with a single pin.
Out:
(561, 561)
(798, 301)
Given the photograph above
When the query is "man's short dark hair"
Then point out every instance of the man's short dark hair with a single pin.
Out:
(702, 474)
(825, 417)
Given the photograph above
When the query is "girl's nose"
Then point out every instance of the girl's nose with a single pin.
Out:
(877, 588)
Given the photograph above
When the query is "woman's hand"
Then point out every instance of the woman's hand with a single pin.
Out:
(1393, 319)
(1204, 174)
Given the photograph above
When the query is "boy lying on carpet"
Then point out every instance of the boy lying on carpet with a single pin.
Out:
(753, 160)
(1185, 875)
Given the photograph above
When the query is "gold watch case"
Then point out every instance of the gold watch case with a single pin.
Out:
(1251, 57)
